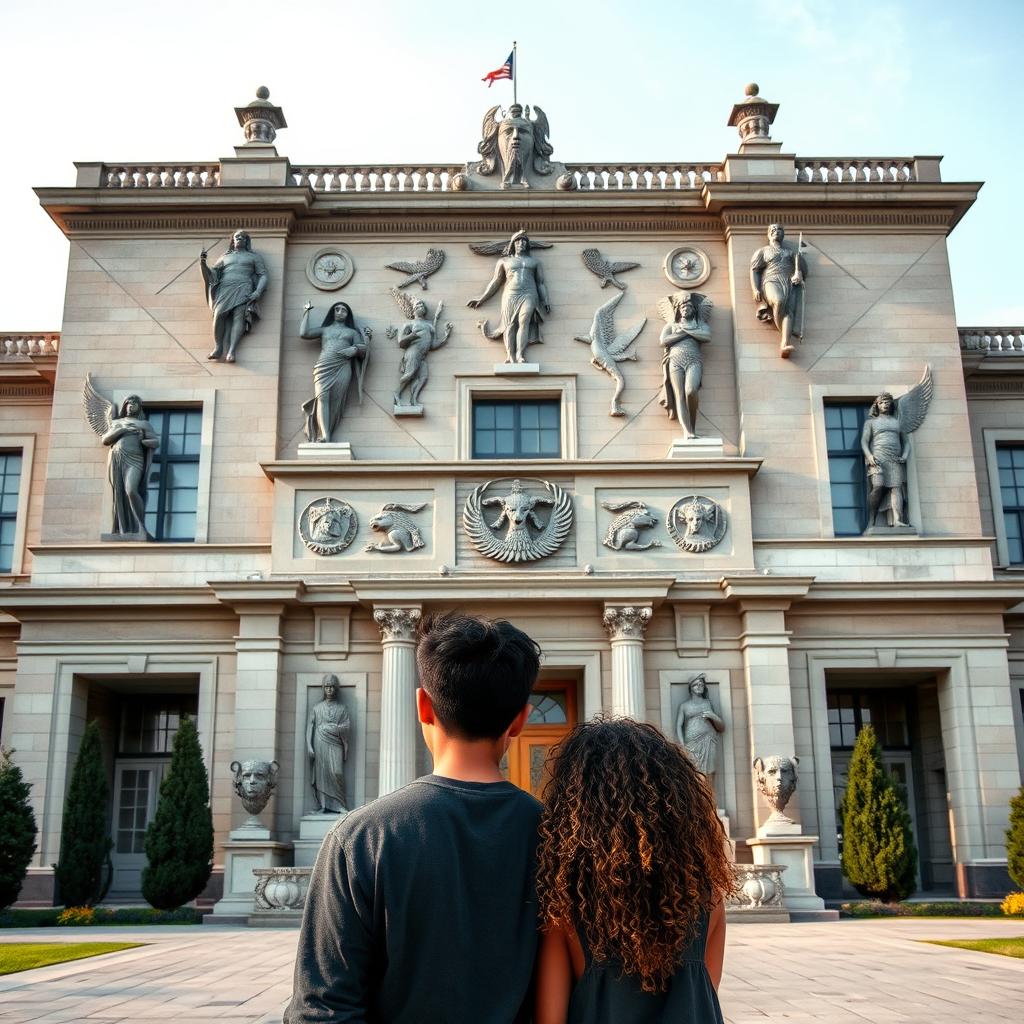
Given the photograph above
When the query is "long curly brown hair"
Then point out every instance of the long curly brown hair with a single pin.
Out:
(632, 852)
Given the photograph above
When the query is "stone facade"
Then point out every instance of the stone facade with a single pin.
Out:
(795, 627)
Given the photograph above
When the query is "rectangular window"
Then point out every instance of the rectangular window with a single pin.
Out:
(10, 478)
(149, 725)
(174, 477)
(1010, 460)
(850, 710)
(517, 429)
(846, 470)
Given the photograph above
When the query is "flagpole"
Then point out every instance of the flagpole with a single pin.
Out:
(515, 71)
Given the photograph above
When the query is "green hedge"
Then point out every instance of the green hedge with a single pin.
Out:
(876, 908)
(46, 917)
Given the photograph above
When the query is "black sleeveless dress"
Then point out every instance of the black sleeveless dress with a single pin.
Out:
(604, 995)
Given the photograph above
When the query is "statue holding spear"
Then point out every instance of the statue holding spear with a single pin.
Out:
(777, 274)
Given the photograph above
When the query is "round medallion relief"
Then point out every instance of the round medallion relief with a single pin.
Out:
(696, 523)
(328, 525)
(330, 269)
(687, 266)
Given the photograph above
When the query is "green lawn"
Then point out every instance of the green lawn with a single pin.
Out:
(23, 956)
(1004, 947)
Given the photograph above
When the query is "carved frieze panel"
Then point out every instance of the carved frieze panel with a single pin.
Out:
(532, 521)
(696, 523)
(328, 525)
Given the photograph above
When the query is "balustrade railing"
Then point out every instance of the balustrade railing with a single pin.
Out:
(992, 339)
(376, 178)
(160, 175)
(627, 177)
(853, 170)
(39, 344)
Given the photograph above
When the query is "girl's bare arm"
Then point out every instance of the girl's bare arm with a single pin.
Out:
(714, 950)
(554, 978)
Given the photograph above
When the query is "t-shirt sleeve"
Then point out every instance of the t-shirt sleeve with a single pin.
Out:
(332, 963)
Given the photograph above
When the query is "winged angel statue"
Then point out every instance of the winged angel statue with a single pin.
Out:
(519, 143)
(885, 442)
(609, 347)
(132, 442)
(686, 330)
(417, 337)
(518, 510)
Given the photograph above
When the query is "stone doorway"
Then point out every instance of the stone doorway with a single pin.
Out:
(553, 714)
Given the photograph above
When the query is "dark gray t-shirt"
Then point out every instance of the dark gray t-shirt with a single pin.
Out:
(421, 910)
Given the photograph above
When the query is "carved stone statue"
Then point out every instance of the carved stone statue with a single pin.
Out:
(344, 347)
(524, 294)
(518, 510)
(132, 442)
(776, 779)
(401, 532)
(777, 273)
(686, 316)
(518, 143)
(327, 746)
(417, 337)
(885, 442)
(234, 286)
(624, 530)
(698, 726)
(608, 348)
(254, 782)
(606, 269)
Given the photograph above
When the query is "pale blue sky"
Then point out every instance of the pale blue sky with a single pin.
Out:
(400, 80)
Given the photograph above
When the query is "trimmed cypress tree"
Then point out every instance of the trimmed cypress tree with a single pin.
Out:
(179, 840)
(84, 870)
(1015, 839)
(879, 857)
(17, 829)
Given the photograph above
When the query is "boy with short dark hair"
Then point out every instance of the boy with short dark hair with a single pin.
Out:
(421, 907)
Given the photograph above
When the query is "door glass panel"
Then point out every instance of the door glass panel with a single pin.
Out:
(547, 709)
(538, 759)
(133, 810)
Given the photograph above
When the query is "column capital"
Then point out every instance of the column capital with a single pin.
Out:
(397, 623)
(627, 622)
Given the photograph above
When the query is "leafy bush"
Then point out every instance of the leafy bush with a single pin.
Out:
(876, 908)
(76, 916)
(1015, 839)
(85, 836)
(878, 855)
(1013, 905)
(17, 829)
(179, 840)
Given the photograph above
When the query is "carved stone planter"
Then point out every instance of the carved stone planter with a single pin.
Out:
(759, 893)
(281, 890)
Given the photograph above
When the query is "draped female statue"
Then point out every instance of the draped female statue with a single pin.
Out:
(698, 726)
(327, 746)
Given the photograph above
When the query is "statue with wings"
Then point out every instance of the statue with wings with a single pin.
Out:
(417, 271)
(524, 293)
(885, 441)
(132, 442)
(518, 143)
(609, 347)
(417, 337)
(686, 331)
(519, 512)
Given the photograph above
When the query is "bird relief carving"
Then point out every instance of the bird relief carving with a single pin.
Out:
(417, 271)
(609, 347)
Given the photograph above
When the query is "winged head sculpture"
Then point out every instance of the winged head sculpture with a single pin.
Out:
(518, 516)
(517, 143)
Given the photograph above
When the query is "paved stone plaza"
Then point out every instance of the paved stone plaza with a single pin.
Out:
(844, 973)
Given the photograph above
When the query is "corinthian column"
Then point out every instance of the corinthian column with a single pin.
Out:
(397, 697)
(626, 625)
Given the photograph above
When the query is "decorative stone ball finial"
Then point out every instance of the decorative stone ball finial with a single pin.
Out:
(753, 116)
(260, 119)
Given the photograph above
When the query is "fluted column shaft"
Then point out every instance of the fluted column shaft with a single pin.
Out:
(398, 697)
(626, 625)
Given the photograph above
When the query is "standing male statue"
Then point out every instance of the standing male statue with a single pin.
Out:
(234, 286)
(327, 746)
(520, 144)
(698, 727)
(777, 273)
(686, 330)
(417, 337)
(524, 294)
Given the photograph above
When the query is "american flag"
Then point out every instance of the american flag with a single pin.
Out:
(505, 71)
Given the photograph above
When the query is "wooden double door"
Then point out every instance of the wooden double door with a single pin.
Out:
(552, 716)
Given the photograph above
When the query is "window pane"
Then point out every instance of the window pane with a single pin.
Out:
(522, 429)
(528, 416)
(505, 442)
(484, 442)
(484, 415)
(504, 415)
(182, 474)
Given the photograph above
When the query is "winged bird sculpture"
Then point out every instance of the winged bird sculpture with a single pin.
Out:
(419, 270)
(608, 348)
(605, 269)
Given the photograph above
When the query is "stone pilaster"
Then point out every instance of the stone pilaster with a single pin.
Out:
(397, 699)
(626, 626)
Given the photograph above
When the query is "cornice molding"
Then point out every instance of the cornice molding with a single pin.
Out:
(754, 221)
(161, 221)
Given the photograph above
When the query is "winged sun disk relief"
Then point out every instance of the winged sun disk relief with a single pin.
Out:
(518, 511)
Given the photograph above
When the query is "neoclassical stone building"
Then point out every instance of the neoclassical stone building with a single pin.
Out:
(302, 527)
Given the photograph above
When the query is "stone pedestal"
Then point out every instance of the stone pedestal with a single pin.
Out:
(626, 625)
(241, 857)
(696, 448)
(407, 410)
(335, 451)
(397, 698)
(517, 369)
(312, 829)
(792, 851)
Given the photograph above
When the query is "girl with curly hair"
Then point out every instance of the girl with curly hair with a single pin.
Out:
(632, 874)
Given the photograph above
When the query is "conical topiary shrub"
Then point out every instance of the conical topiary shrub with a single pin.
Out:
(17, 829)
(879, 857)
(179, 840)
(84, 870)
(1015, 839)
